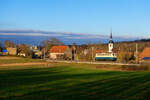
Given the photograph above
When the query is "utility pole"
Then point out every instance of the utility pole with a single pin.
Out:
(73, 51)
(92, 54)
(136, 55)
(44, 53)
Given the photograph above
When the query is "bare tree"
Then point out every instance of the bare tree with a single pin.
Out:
(51, 41)
(0, 44)
(22, 48)
(9, 44)
(47, 44)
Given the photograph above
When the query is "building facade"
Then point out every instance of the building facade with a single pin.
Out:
(12, 51)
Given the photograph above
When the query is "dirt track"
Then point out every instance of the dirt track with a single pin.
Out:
(15, 66)
(7, 57)
(23, 64)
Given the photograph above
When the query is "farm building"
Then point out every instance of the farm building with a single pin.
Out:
(145, 54)
(60, 52)
(12, 51)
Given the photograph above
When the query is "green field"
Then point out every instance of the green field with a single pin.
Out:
(61, 81)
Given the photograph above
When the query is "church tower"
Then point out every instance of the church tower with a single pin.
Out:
(110, 44)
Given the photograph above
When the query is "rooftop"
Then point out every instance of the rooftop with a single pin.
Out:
(58, 49)
(145, 52)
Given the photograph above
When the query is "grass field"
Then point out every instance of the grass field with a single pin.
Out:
(60, 81)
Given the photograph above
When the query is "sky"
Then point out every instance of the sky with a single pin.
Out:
(124, 17)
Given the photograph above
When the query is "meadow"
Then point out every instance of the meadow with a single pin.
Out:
(62, 81)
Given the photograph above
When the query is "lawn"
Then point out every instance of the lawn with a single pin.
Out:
(73, 82)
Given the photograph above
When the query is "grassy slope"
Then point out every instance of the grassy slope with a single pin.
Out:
(70, 83)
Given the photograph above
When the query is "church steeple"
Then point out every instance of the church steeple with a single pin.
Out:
(111, 41)
(111, 35)
(110, 45)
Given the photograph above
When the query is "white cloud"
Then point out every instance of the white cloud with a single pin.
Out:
(67, 35)
(30, 34)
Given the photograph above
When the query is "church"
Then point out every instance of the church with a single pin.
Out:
(109, 55)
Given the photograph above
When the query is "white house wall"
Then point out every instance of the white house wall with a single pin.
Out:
(54, 55)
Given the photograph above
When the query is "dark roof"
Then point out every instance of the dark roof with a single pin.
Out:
(111, 41)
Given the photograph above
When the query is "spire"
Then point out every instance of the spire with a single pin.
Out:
(111, 35)
(111, 41)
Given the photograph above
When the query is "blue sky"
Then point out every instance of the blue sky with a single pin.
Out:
(125, 17)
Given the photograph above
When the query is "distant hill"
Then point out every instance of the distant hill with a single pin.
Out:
(134, 41)
(34, 37)
(142, 40)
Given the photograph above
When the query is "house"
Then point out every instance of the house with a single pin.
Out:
(60, 52)
(145, 54)
(12, 51)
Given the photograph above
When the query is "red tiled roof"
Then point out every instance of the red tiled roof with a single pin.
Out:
(104, 51)
(145, 52)
(58, 49)
(100, 51)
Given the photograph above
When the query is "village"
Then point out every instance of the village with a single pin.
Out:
(74, 50)
(52, 68)
(55, 50)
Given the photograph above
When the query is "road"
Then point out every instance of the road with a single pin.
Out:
(88, 62)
